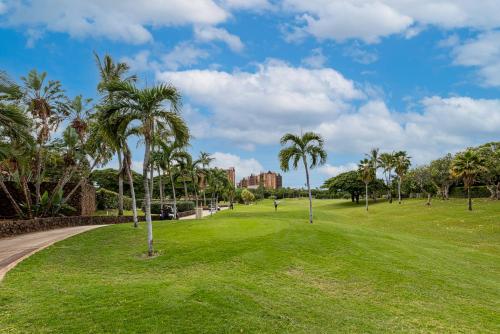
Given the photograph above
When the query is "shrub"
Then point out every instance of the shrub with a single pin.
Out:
(247, 196)
(476, 192)
(182, 206)
(107, 199)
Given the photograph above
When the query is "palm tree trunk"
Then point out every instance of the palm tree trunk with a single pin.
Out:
(160, 184)
(204, 198)
(469, 198)
(366, 196)
(120, 183)
(309, 191)
(151, 180)
(185, 188)
(38, 175)
(12, 200)
(399, 189)
(173, 193)
(147, 195)
(132, 194)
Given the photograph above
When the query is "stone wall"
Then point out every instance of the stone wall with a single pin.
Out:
(10, 228)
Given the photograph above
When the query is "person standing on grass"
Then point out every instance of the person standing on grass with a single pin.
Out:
(276, 205)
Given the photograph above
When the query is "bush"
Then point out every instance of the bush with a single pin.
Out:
(107, 199)
(182, 206)
(476, 192)
(247, 196)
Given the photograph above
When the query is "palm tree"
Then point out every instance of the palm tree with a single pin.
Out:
(366, 171)
(466, 166)
(218, 183)
(170, 152)
(401, 165)
(111, 71)
(48, 105)
(307, 146)
(147, 106)
(386, 162)
(205, 160)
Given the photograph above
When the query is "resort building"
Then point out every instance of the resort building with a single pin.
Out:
(269, 180)
(231, 175)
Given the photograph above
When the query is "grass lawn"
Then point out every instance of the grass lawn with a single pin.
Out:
(398, 268)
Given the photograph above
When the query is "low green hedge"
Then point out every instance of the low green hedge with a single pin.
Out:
(107, 199)
(182, 206)
(476, 192)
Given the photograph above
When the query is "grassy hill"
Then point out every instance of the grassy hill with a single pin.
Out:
(397, 268)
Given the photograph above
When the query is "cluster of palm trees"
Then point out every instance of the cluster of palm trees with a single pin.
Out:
(32, 153)
(393, 165)
(469, 166)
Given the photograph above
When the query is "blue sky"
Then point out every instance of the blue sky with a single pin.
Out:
(423, 76)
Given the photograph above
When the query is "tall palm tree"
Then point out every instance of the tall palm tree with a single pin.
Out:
(147, 106)
(467, 166)
(301, 148)
(401, 165)
(205, 160)
(111, 71)
(366, 171)
(48, 105)
(386, 162)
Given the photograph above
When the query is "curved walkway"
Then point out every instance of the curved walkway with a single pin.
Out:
(15, 249)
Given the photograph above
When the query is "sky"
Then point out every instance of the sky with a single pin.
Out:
(415, 75)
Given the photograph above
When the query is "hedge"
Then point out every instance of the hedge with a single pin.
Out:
(107, 199)
(476, 192)
(182, 206)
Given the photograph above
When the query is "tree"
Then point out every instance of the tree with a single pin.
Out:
(147, 106)
(467, 166)
(386, 162)
(110, 71)
(440, 174)
(205, 160)
(307, 146)
(346, 182)
(366, 172)
(48, 105)
(490, 153)
(419, 180)
(247, 196)
(401, 165)
(218, 183)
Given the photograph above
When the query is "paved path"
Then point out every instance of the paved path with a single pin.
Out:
(205, 214)
(15, 249)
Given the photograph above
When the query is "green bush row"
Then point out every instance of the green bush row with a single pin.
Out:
(182, 206)
(476, 192)
(107, 199)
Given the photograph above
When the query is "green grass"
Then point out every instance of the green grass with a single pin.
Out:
(398, 268)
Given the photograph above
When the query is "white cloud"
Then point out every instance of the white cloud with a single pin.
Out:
(259, 106)
(256, 108)
(125, 20)
(371, 20)
(359, 55)
(243, 167)
(209, 34)
(183, 54)
(3, 8)
(247, 4)
(482, 53)
(331, 171)
(316, 60)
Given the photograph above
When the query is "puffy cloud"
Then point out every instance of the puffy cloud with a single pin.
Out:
(316, 60)
(483, 53)
(208, 34)
(259, 106)
(125, 20)
(243, 167)
(359, 55)
(255, 108)
(247, 4)
(370, 20)
(331, 171)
